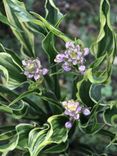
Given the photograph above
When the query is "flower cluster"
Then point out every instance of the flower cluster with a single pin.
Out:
(33, 69)
(73, 110)
(73, 55)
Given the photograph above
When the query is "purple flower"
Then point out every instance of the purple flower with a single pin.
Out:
(30, 76)
(79, 108)
(36, 76)
(82, 68)
(82, 60)
(69, 45)
(73, 57)
(66, 112)
(86, 111)
(77, 116)
(24, 62)
(79, 53)
(44, 71)
(66, 67)
(66, 53)
(78, 47)
(73, 110)
(86, 51)
(59, 58)
(33, 69)
(68, 125)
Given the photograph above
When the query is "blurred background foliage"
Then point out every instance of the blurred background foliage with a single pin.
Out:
(82, 20)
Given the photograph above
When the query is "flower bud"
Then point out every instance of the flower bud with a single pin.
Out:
(86, 111)
(68, 125)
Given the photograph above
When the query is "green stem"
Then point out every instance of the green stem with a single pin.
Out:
(74, 87)
(56, 84)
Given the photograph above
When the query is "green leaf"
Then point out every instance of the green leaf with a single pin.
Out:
(5, 108)
(36, 106)
(26, 105)
(14, 55)
(19, 109)
(25, 37)
(104, 47)
(25, 154)
(9, 66)
(4, 20)
(15, 137)
(17, 9)
(7, 93)
(23, 132)
(5, 73)
(7, 135)
(8, 141)
(15, 109)
(85, 150)
(53, 14)
(58, 131)
(109, 114)
(83, 92)
(97, 77)
(2, 48)
(20, 106)
(95, 92)
(107, 91)
(36, 138)
(57, 148)
(56, 134)
(51, 28)
(105, 42)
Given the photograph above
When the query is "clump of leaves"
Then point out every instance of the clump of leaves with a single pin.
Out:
(30, 92)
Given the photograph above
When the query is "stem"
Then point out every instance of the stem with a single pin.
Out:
(74, 87)
(56, 84)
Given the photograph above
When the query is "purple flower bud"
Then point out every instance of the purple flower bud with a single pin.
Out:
(36, 76)
(66, 53)
(82, 68)
(68, 125)
(86, 51)
(59, 58)
(78, 48)
(37, 70)
(38, 63)
(77, 116)
(26, 73)
(69, 45)
(24, 63)
(44, 71)
(79, 109)
(30, 76)
(79, 54)
(66, 112)
(86, 111)
(82, 60)
(72, 114)
(66, 67)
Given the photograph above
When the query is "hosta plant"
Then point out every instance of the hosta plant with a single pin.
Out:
(56, 103)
